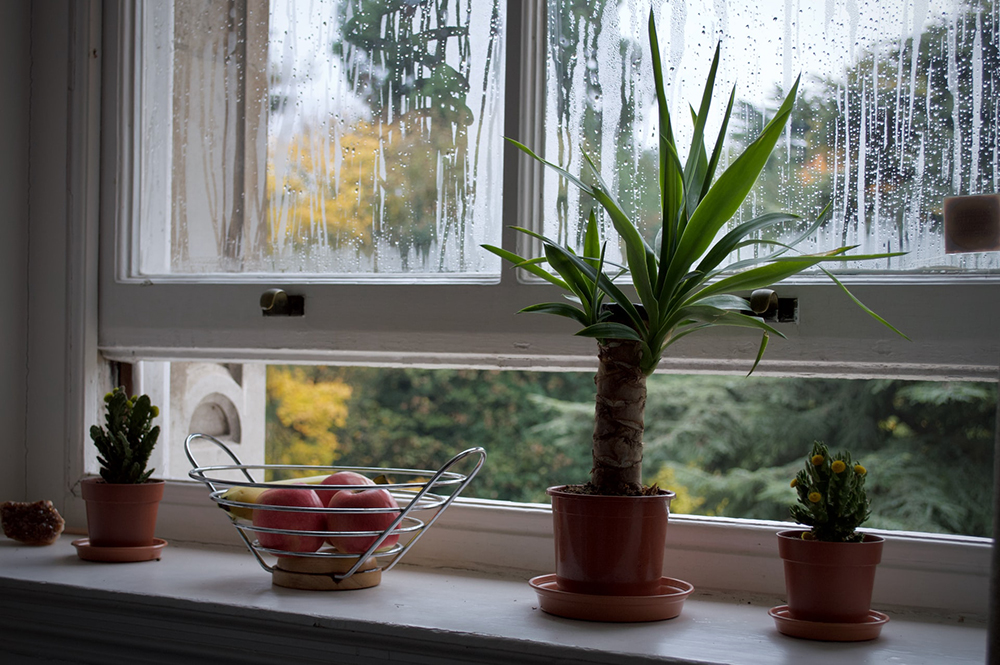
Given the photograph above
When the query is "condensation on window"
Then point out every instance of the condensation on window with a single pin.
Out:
(898, 107)
(335, 137)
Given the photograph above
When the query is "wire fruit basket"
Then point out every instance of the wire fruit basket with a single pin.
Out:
(419, 498)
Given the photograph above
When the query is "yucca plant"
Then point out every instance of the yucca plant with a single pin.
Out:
(683, 283)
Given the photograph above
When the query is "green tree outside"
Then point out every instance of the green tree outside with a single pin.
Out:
(728, 446)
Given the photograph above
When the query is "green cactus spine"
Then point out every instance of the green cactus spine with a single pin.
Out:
(832, 496)
(125, 444)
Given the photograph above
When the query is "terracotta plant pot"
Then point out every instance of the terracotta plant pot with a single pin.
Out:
(609, 545)
(829, 582)
(121, 515)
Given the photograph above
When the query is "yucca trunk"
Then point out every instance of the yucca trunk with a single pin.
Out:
(618, 424)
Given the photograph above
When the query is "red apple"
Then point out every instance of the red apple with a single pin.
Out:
(282, 519)
(368, 521)
(341, 478)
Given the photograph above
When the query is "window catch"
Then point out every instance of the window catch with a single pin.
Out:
(275, 302)
(766, 304)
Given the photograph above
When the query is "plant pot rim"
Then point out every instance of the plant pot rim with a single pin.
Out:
(97, 480)
(796, 535)
(560, 491)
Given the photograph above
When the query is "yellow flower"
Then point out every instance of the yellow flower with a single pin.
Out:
(817, 460)
(838, 466)
(815, 497)
(795, 481)
(860, 470)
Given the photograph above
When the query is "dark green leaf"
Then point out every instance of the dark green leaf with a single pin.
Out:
(863, 306)
(728, 193)
(758, 277)
(760, 353)
(559, 309)
(609, 330)
(697, 164)
(592, 241)
(728, 243)
(563, 172)
(578, 283)
(528, 265)
(717, 151)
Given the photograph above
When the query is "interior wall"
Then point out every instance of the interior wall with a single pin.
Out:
(50, 372)
(15, 43)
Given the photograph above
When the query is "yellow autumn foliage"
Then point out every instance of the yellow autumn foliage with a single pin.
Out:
(375, 180)
(684, 503)
(309, 410)
(314, 194)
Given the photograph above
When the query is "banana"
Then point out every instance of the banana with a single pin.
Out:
(251, 494)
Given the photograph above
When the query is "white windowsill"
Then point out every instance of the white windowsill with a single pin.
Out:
(214, 605)
(938, 573)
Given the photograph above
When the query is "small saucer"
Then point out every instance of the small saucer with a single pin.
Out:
(861, 631)
(89, 552)
(665, 605)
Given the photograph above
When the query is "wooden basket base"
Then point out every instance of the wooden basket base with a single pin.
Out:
(316, 573)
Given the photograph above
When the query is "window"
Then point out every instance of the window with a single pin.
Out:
(356, 160)
(549, 91)
(334, 141)
(896, 109)
(726, 445)
(952, 322)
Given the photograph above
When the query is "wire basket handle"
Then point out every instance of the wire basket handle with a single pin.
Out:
(225, 448)
(427, 488)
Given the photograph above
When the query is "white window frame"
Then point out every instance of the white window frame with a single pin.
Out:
(950, 321)
(70, 343)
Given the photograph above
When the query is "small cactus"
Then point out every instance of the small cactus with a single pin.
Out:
(125, 445)
(832, 497)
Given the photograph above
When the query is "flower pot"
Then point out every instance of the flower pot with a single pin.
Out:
(829, 582)
(609, 545)
(121, 515)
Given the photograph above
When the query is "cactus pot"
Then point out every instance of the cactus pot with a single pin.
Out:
(829, 582)
(609, 545)
(121, 515)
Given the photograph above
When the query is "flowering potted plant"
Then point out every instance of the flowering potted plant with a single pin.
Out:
(122, 504)
(830, 569)
(610, 532)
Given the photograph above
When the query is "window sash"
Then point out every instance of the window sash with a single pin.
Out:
(950, 321)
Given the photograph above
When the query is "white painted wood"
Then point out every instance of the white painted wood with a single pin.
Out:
(954, 335)
(198, 605)
(951, 321)
(947, 573)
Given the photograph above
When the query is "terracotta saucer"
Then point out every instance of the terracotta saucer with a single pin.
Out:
(89, 552)
(868, 629)
(664, 605)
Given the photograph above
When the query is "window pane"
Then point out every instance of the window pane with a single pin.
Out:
(345, 138)
(898, 108)
(727, 445)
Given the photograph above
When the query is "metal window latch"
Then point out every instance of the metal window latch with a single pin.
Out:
(766, 304)
(275, 302)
